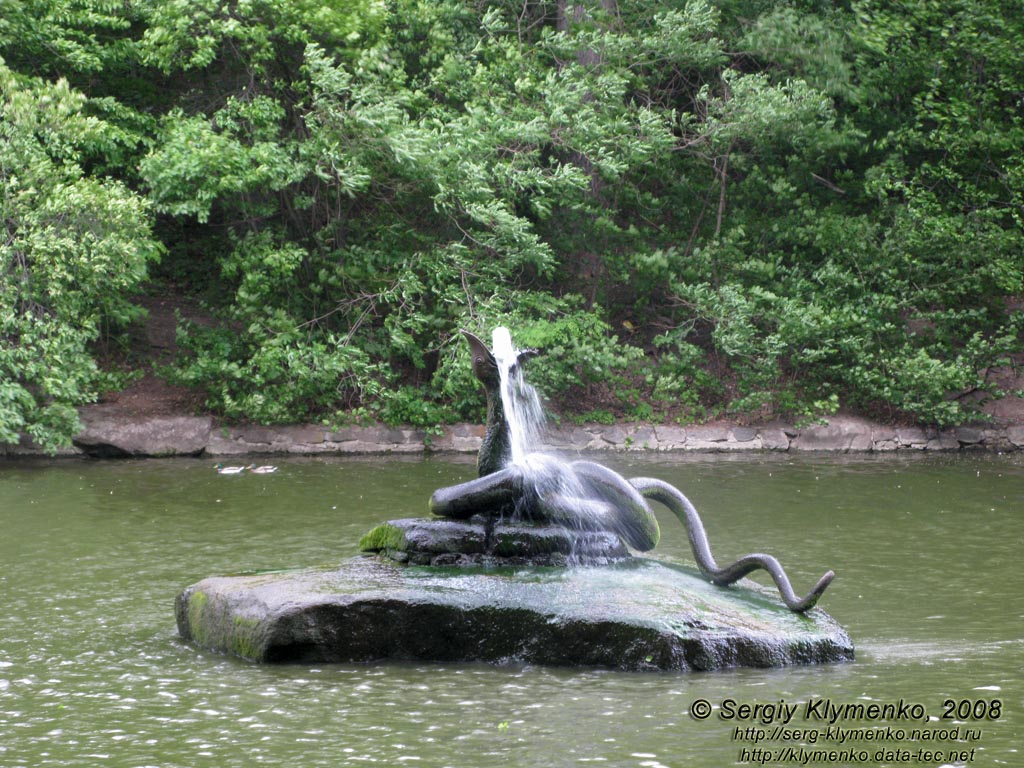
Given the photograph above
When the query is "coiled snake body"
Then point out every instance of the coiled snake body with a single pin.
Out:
(614, 503)
(585, 494)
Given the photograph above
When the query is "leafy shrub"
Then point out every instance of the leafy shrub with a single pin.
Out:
(74, 250)
(284, 378)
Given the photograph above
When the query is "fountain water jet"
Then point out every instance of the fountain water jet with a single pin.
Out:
(520, 402)
(525, 419)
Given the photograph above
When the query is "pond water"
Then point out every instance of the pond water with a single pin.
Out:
(92, 673)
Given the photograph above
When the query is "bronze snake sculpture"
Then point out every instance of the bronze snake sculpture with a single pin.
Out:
(585, 494)
(674, 499)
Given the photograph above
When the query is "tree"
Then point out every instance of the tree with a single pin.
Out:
(74, 248)
(867, 232)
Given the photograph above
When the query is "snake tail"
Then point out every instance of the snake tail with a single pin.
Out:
(673, 498)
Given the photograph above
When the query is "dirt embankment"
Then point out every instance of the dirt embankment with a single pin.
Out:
(152, 344)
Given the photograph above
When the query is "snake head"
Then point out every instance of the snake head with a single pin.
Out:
(485, 367)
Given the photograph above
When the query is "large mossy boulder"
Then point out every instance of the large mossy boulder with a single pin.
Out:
(636, 614)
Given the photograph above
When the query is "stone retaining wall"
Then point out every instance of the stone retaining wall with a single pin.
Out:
(109, 435)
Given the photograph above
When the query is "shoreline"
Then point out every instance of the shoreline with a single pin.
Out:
(109, 434)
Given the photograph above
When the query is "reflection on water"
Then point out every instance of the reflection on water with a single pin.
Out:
(91, 671)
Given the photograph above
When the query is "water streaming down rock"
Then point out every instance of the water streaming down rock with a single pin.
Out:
(549, 481)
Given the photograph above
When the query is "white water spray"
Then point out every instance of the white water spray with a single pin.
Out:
(524, 413)
(551, 478)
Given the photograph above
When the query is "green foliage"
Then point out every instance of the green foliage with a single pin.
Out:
(581, 359)
(198, 163)
(743, 207)
(75, 248)
(185, 35)
(274, 374)
(54, 38)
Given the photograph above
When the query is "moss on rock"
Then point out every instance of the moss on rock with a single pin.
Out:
(382, 538)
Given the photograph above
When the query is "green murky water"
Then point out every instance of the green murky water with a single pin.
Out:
(927, 552)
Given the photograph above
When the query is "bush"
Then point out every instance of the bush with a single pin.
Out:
(75, 249)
